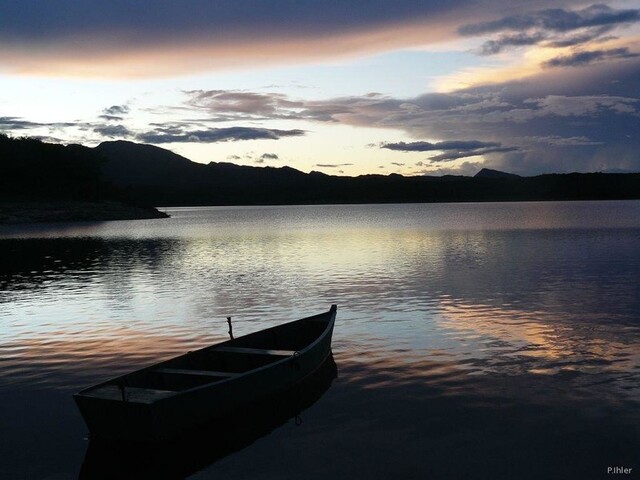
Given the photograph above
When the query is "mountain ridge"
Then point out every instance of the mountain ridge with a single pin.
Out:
(491, 173)
(166, 178)
(37, 174)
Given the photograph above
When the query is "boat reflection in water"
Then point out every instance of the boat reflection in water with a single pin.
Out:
(188, 454)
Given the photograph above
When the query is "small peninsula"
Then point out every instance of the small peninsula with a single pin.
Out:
(43, 182)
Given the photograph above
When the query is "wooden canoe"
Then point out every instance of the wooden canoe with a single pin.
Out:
(172, 397)
(187, 454)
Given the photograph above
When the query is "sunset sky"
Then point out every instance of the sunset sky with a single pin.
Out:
(343, 87)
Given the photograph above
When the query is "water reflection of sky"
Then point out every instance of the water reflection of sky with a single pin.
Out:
(525, 302)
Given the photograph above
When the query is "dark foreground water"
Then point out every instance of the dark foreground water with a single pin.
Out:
(472, 340)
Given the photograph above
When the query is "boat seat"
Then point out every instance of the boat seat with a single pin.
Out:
(132, 394)
(202, 373)
(258, 351)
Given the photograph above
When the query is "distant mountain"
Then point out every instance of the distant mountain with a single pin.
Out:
(137, 174)
(148, 172)
(31, 168)
(153, 174)
(489, 173)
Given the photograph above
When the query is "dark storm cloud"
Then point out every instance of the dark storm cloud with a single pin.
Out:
(213, 135)
(578, 59)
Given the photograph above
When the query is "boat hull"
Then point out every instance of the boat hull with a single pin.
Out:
(162, 419)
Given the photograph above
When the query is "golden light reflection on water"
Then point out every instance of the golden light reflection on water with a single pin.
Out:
(544, 343)
(87, 358)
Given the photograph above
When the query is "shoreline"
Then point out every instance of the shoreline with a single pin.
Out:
(28, 212)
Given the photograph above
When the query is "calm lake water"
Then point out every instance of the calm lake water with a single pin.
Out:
(497, 340)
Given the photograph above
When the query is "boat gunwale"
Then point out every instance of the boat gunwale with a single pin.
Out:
(331, 313)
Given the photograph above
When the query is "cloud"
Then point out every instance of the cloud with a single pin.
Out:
(116, 110)
(601, 105)
(582, 105)
(564, 141)
(446, 145)
(150, 38)
(9, 123)
(332, 165)
(114, 113)
(113, 131)
(455, 155)
(582, 58)
(492, 47)
(269, 156)
(397, 164)
(213, 135)
(16, 123)
(556, 20)
(555, 27)
(231, 102)
(111, 118)
(593, 34)
(48, 139)
(597, 111)
(454, 149)
(466, 168)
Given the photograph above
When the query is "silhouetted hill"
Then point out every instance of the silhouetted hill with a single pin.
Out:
(45, 182)
(54, 175)
(31, 168)
(489, 173)
(164, 178)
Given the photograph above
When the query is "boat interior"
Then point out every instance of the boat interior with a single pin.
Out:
(213, 364)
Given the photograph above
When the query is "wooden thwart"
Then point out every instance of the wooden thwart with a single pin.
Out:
(202, 373)
(132, 394)
(258, 351)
